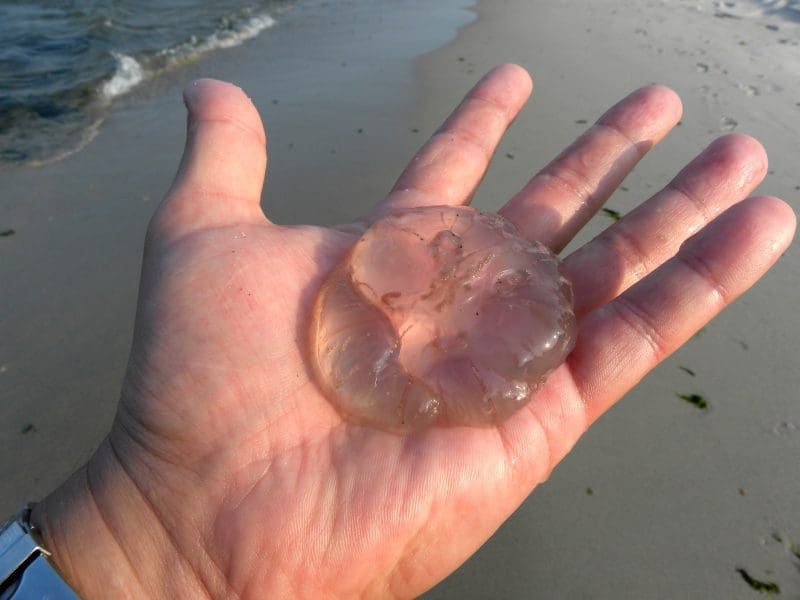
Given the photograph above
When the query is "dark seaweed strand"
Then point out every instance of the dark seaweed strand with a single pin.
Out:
(694, 399)
(610, 212)
(764, 587)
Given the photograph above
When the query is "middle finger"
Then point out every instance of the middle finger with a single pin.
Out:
(564, 195)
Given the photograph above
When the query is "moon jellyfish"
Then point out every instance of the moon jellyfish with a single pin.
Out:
(440, 316)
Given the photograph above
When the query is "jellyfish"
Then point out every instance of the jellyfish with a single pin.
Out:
(440, 317)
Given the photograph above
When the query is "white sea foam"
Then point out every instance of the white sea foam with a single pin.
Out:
(786, 10)
(130, 72)
(233, 37)
(226, 38)
(128, 75)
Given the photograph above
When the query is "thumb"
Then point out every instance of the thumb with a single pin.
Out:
(221, 174)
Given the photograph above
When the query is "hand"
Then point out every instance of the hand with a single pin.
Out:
(228, 473)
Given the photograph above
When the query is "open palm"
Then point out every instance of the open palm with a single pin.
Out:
(246, 472)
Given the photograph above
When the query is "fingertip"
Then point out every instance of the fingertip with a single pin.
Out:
(517, 73)
(211, 99)
(195, 88)
(507, 85)
(743, 156)
(751, 235)
(733, 163)
(779, 217)
(667, 97)
(748, 149)
(647, 113)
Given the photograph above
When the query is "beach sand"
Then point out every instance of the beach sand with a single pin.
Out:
(659, 499)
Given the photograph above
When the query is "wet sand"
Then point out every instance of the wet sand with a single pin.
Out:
(660, 499)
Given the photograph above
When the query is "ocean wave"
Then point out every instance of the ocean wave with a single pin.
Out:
(785, 10)
(229, 38)
(56, 96)
(130, 72)
(128, 75)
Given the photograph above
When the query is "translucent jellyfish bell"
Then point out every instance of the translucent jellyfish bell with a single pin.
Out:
(440, 316)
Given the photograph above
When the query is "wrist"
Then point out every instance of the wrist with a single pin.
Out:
(103, 538)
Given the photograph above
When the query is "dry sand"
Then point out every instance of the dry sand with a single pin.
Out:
(659, 499)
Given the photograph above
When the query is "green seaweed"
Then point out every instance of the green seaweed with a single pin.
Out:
(581, 121)
(694, 399)
(687, 370)
(765, 587)
(589, 491)
(611, 213)
(27, 428)
(7, 232)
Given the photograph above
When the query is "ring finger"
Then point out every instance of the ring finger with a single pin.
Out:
(722, 175)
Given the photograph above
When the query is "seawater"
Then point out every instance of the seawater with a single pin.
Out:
(63, 63)
(781, 9)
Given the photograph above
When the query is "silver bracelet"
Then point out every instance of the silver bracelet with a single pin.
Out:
(25, 572)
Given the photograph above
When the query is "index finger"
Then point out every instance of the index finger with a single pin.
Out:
(449, 167)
